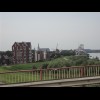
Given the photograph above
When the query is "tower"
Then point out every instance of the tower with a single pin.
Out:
(45, 55)
(35, 55)
(38, 48)
(38, 53)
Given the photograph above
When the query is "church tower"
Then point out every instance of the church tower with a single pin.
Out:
(35, 55)
(38, 52)
(38, 48)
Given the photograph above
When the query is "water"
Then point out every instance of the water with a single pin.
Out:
(94, 55)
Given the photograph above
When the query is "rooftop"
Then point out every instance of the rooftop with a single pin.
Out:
(44, 49)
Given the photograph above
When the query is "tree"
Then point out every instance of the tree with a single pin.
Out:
(0, 61)
(97, 58)
(67, 52)
(8, 53)
(3, 60)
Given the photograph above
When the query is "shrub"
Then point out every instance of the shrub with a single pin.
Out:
(91, 62)
(67, 64)
(44, 66)
(84, 63)
(34, 67)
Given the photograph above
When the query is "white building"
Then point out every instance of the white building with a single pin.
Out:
(81, 50)
(42, 53)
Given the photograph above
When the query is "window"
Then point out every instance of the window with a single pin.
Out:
(29, 48)
(21, 50)
(17, 48)
(24, 47)
(13, 47)
(24, 56)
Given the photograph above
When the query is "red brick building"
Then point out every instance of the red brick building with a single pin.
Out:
(22, 52)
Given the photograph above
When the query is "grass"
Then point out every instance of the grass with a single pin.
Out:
(24, 77)
(29, 66)
(2, 69)
(19, 77)
(28, 77)
(55, 63)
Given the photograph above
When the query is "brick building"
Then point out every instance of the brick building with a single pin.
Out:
(22, 52)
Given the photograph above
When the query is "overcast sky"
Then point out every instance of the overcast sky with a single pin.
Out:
(68, 29)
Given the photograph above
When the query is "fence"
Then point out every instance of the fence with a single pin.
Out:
(49, 74)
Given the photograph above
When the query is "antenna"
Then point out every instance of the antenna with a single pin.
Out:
(57, 46)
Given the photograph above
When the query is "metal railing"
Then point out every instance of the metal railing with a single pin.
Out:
(49, 74)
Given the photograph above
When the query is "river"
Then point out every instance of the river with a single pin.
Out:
(94, 55)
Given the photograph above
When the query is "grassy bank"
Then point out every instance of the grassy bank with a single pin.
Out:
(54, 63)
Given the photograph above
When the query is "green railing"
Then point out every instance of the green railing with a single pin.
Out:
(49, 74)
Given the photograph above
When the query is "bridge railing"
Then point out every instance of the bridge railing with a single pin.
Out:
(49, 74)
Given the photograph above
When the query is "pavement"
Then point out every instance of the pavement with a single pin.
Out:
(1, 83)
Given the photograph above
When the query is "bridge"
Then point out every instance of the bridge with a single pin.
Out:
(52, 77)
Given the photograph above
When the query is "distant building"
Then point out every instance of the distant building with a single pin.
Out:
(42, 54)
(80, 50)
(22, 52)
(0, 56)
(5, 60)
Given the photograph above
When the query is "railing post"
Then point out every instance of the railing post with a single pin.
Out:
(47, 74)
(41, 73)
(82, 72)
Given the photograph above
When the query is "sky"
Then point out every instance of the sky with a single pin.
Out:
(68, 29)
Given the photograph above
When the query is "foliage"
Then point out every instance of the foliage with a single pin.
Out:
(67, 52)
(56, 63)
(44, 65)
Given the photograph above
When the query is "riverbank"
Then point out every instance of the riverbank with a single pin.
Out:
(93, 55)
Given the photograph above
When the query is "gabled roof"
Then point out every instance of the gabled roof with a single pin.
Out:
(24, 43)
